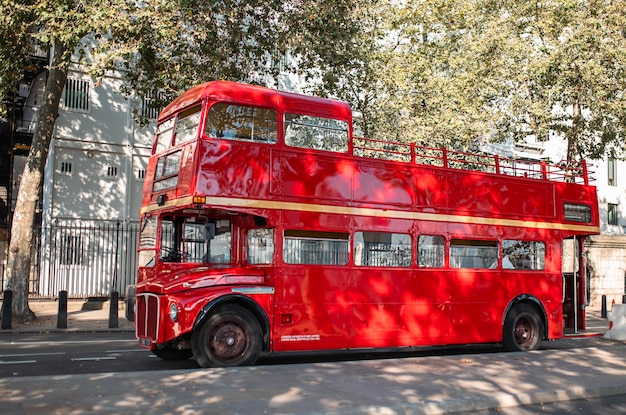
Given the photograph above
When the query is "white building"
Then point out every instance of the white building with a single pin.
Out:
(92, 188)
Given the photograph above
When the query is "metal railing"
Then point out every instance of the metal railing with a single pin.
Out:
(573, 172)
(86, 260)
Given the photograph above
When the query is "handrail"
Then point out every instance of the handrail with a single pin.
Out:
(564, 171)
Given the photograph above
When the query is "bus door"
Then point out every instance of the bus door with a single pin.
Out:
(574, 299)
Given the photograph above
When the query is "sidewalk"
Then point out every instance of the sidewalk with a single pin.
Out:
(82, 316)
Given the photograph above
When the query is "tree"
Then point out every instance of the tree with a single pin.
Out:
(163, 46)
(509, 70)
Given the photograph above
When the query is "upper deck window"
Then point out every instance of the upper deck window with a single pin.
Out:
(164, 135)
(238, 122)
(308, 131)
(166, 174)
(187, 125)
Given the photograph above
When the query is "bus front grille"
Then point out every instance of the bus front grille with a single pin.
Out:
(147, 316)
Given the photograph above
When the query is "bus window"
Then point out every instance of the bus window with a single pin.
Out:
(166, 175)
(523, 255)
(260, 246)
(238, 122)
(466, 253)
(321, 248)
(164, 135)
(377, 249)
(195, 240)
(430, 251)
(318, 133)
(147, 242)
(187, 125)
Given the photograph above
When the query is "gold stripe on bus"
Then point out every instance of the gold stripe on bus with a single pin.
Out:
(383, 213)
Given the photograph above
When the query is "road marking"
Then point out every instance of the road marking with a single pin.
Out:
(125, 351)
(56, 343)
(82, 359)
(31, 354)
(17, 362)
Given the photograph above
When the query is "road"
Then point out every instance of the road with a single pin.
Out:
(74, 353)
(80, 353)
(107, 373)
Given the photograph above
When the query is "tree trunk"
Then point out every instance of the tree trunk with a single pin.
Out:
(24, 228)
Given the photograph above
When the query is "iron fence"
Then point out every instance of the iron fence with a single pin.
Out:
(86, 260)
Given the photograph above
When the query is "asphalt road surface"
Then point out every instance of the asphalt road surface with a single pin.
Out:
(80, 353)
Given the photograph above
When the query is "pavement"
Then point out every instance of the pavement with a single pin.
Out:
(423, 384)
(91, 315)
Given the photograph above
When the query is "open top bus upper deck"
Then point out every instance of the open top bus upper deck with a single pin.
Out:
(308, 159)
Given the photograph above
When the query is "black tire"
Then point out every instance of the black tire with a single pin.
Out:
(170, 353)
(230, 337)
(523, 329)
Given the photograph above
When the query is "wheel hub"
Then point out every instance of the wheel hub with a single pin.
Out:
(228, 341)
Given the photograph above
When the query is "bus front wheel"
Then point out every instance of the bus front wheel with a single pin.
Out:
(229, 337)
(523, 329)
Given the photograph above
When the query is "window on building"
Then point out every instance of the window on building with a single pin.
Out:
(523, 255)
(151, 105)
(76, 94)
(111, 171)
(612, 212)
(318, 133)
(430, 251)
(238, 122)
(311, 247)
(466, 253)
(66, 167)
(380, 249)
(141, 174)
(612, 173)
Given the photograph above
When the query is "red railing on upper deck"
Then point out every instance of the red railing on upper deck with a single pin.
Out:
(572, 172)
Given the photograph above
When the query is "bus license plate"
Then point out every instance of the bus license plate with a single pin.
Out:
(145, 342)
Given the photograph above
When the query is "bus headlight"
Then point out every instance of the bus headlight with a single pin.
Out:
(173, 312)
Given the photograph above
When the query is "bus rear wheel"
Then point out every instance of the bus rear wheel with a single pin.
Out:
(523, 329)
(230, 337)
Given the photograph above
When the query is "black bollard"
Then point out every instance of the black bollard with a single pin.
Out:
(603, 309)
(62, 314)
(624, 299)
(113, 318)
(7, 310)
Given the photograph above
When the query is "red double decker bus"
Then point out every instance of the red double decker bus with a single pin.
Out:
(267, 227)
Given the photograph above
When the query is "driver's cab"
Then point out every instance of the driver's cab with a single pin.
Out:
(192, 239)
(182, 239)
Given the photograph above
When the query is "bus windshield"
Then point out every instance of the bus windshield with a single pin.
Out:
(199, 240)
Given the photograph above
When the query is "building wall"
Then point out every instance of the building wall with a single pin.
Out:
(92, 191)
(606, 257)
